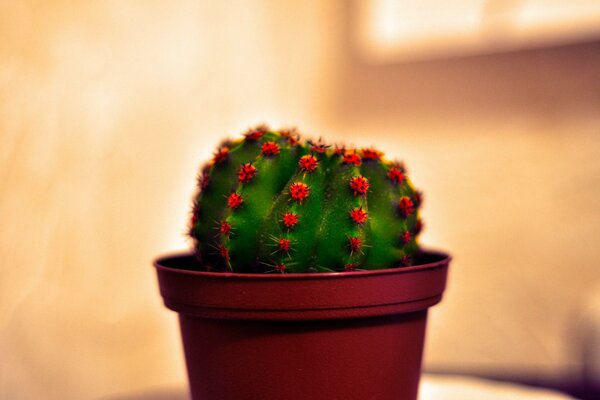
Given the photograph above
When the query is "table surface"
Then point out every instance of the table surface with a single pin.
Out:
(433, 387)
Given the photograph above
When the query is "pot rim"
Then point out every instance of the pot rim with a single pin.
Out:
(301, 296)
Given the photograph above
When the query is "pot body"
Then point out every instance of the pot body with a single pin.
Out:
(303, 336)
(362, 358)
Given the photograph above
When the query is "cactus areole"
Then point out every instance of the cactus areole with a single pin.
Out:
(272, 202)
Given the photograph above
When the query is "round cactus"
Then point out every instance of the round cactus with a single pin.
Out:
(271, 202)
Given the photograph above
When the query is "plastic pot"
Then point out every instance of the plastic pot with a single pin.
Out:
(351, 335)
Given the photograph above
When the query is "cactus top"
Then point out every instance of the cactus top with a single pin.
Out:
(272, 202)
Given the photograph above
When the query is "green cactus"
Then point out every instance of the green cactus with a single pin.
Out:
(271, 202)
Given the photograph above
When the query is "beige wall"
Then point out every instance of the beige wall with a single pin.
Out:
(108, 108)
(506, 147)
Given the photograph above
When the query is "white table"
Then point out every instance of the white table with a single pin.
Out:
(433, 387)
(455, 387)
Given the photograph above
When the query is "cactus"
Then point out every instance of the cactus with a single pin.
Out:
(271, 202)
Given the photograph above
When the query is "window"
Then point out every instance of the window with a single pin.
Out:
(404, 30)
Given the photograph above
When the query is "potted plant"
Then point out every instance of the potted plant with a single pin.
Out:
(306, 280)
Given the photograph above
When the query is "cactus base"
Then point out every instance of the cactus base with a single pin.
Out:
(356, 335)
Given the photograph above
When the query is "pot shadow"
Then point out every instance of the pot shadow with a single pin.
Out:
(174, 393)
(240, 331)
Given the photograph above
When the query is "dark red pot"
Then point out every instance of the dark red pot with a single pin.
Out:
(347, 336)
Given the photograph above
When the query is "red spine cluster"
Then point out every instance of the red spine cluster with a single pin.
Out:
(371, 154)
(339, 150)
(246, 173)
(221, 155)
(359, 185)
(234, 200)
(418, 198)
(256, 133)
(280, 267)
(396, 175)
(308, 163)
(225, 228)
(406, 206)
(351, 158)
(224, 253)
(270, 149)
(292, 136)
(195, 214)
(406, 237)
(284, 245)
(318, 147)
(355, 244)
(299, 191)
(290, 219)
(418, 227)
(204, 178)
(358, 215)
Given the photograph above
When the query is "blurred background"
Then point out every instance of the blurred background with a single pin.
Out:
(107, 109)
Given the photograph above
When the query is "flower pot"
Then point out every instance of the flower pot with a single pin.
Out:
(356, 335)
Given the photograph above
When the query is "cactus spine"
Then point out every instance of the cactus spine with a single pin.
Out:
(272, 203)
